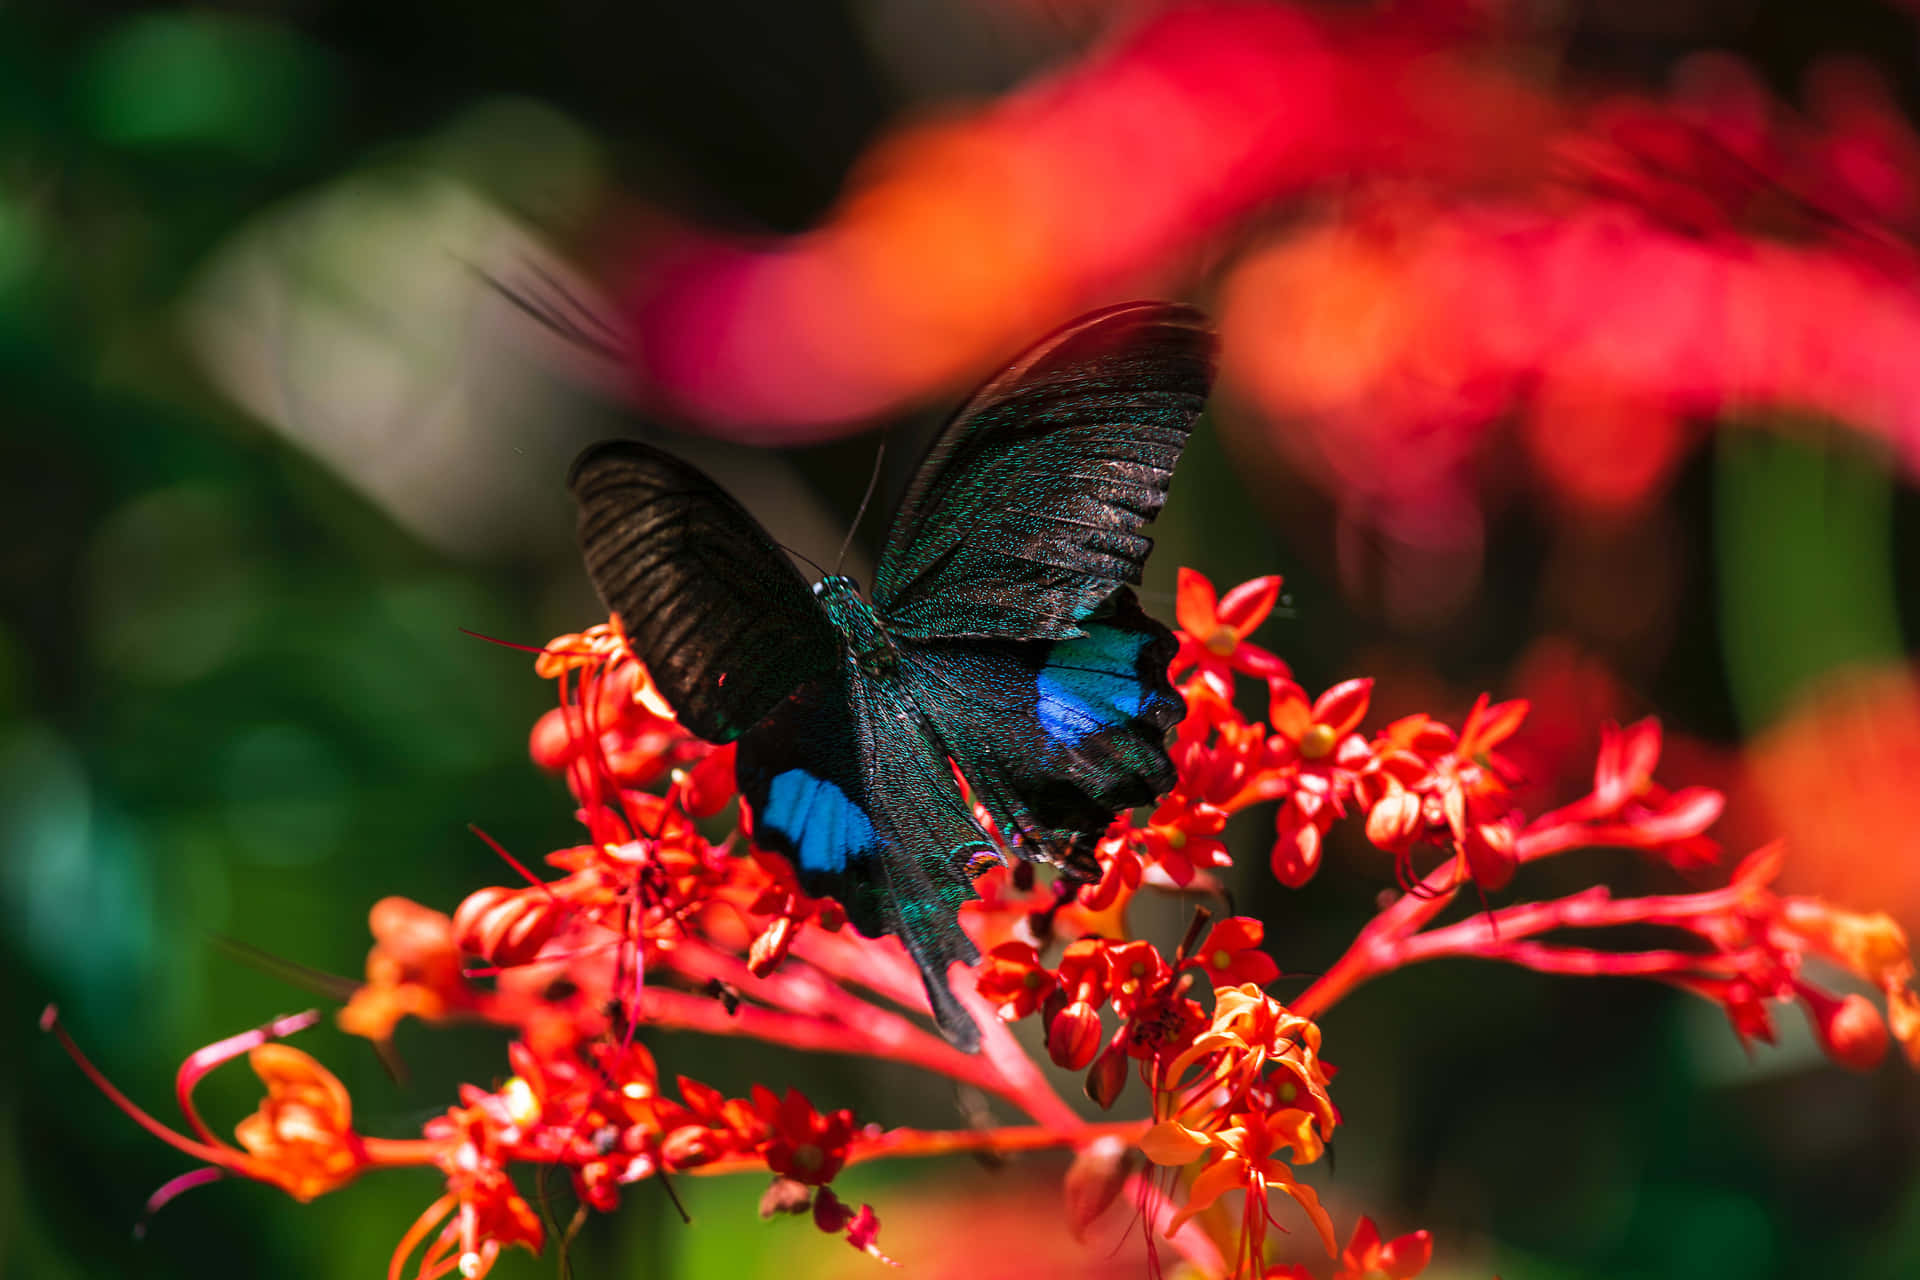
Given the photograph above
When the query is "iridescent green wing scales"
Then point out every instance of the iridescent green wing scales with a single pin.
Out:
(1025, 516)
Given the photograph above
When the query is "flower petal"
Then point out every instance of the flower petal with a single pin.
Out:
(1173, 1144)
(1195, 605)
(1246, 606)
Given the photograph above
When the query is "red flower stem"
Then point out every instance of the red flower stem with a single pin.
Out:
(1027, 1087)
(873, 965)
(1023, 1083)
(1574, 961)
(218, 1153)
(1591, 908)
(1382, 945)
(1375, 949)
(684, 1011)
(941, 1142)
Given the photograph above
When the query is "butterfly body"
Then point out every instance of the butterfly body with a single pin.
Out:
(1002, 639)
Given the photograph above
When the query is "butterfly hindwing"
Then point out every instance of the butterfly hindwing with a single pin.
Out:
(725, 624)
(1025, 516)
(1055, 736)
(844, 780)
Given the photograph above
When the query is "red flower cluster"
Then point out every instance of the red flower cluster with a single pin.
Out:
(656, 924)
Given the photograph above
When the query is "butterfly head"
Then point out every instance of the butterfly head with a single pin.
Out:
(866, 640)
(836, 586)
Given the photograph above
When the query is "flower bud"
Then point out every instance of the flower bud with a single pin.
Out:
(689, 1147)
(1108, 1077)
(1393, 823)
(552, 744)
(1296, 855)
(507, 926)
(1850, 1029)
(786, 1196)
(1489, 853)
(1094, 1181)
(829, 1214)
(770, 948)
(1073, 1036)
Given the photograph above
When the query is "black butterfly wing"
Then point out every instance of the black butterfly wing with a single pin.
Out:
(1056, 736)
(724, 622)
(847, 782)
(1025, 516)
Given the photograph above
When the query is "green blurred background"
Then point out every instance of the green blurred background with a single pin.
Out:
(269, 444)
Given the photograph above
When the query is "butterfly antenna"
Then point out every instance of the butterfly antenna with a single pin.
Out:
(873, 482)
(801, 555)
(549, 313)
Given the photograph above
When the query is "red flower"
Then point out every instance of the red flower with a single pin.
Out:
(1180, 838)
(807, 1146)
(1213, 631)
(1365, 1258)
(1135, 971)
(1231, 954)
(1323, 757)
(1013, 978)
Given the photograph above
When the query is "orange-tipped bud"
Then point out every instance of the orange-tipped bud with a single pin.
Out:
(507, 926)
(770, 948)
(1393, 823)
(1489, 852)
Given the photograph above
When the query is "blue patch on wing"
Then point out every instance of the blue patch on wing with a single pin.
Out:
(827, 829)
(1090, 683)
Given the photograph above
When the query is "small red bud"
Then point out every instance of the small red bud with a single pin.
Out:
(829, 1214)
(1108, 1077)
(552, 744)
(1851, 1030)
(1073, 1035)
(689, 1147)
(1490, 856)
(1095, 1179)
(770, 948)
(786, 1196)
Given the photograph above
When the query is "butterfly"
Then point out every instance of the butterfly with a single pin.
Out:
(1002, 637)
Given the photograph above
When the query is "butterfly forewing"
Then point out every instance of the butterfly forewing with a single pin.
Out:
(1025, 516)
(725, 624)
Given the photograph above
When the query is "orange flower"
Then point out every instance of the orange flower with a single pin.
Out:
(414, 968)
(1242, 1156)
(300, 1140)
(303, 1131)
